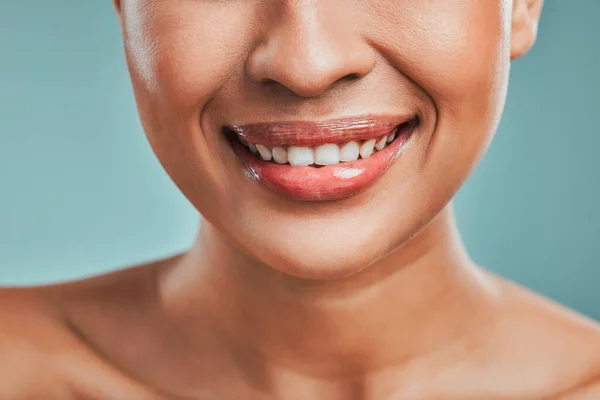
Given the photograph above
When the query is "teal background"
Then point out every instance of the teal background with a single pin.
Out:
(81, 192)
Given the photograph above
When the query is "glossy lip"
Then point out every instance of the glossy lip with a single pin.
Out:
(314, 133)
(326, 183)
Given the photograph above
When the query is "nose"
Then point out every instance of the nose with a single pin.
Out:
(309, 47)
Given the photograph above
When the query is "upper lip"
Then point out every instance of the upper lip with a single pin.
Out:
(314, 133)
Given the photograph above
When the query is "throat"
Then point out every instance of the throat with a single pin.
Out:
(410, 308)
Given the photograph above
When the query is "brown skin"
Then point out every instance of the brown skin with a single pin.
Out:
(371, 297)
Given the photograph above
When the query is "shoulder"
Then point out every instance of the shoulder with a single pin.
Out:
(54, 365)
(38, 354)
(41, 353)
(27, 333)
(556, 348)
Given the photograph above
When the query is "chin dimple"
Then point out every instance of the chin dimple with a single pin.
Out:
(325, 154)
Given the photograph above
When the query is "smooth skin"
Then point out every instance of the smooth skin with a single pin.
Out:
(370, 297)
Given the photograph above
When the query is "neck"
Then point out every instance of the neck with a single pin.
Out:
(422, 299)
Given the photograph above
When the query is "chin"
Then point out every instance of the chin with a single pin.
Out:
(295, 249)
(319, 263)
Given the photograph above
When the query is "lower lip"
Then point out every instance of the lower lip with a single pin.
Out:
(332, 182)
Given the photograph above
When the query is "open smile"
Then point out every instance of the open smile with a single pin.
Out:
(321, 160)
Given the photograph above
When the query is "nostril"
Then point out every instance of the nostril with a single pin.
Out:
(349, 78)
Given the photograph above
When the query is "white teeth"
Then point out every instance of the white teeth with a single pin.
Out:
(349, 151)
(366, 149)
(265, 153)
(327, 154)
(300, 156)
(280, 155)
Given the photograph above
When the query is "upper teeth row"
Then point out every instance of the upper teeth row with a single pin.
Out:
(325, 154)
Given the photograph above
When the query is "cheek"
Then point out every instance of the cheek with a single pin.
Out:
(458, 52)
(455, 50)
(184, 52)
(180, 53)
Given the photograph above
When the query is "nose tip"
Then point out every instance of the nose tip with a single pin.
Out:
(308, 64)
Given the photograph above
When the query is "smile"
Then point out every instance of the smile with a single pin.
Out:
(320, 160)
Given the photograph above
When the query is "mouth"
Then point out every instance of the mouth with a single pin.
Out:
(321, 160)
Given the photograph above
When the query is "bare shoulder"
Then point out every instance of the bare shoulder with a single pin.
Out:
(41, 353)
(557, 348)
(27, 333)
(39, 356)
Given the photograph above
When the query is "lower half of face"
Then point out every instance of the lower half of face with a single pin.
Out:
(318, 136)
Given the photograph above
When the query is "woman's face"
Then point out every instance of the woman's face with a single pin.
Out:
(207, 71)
